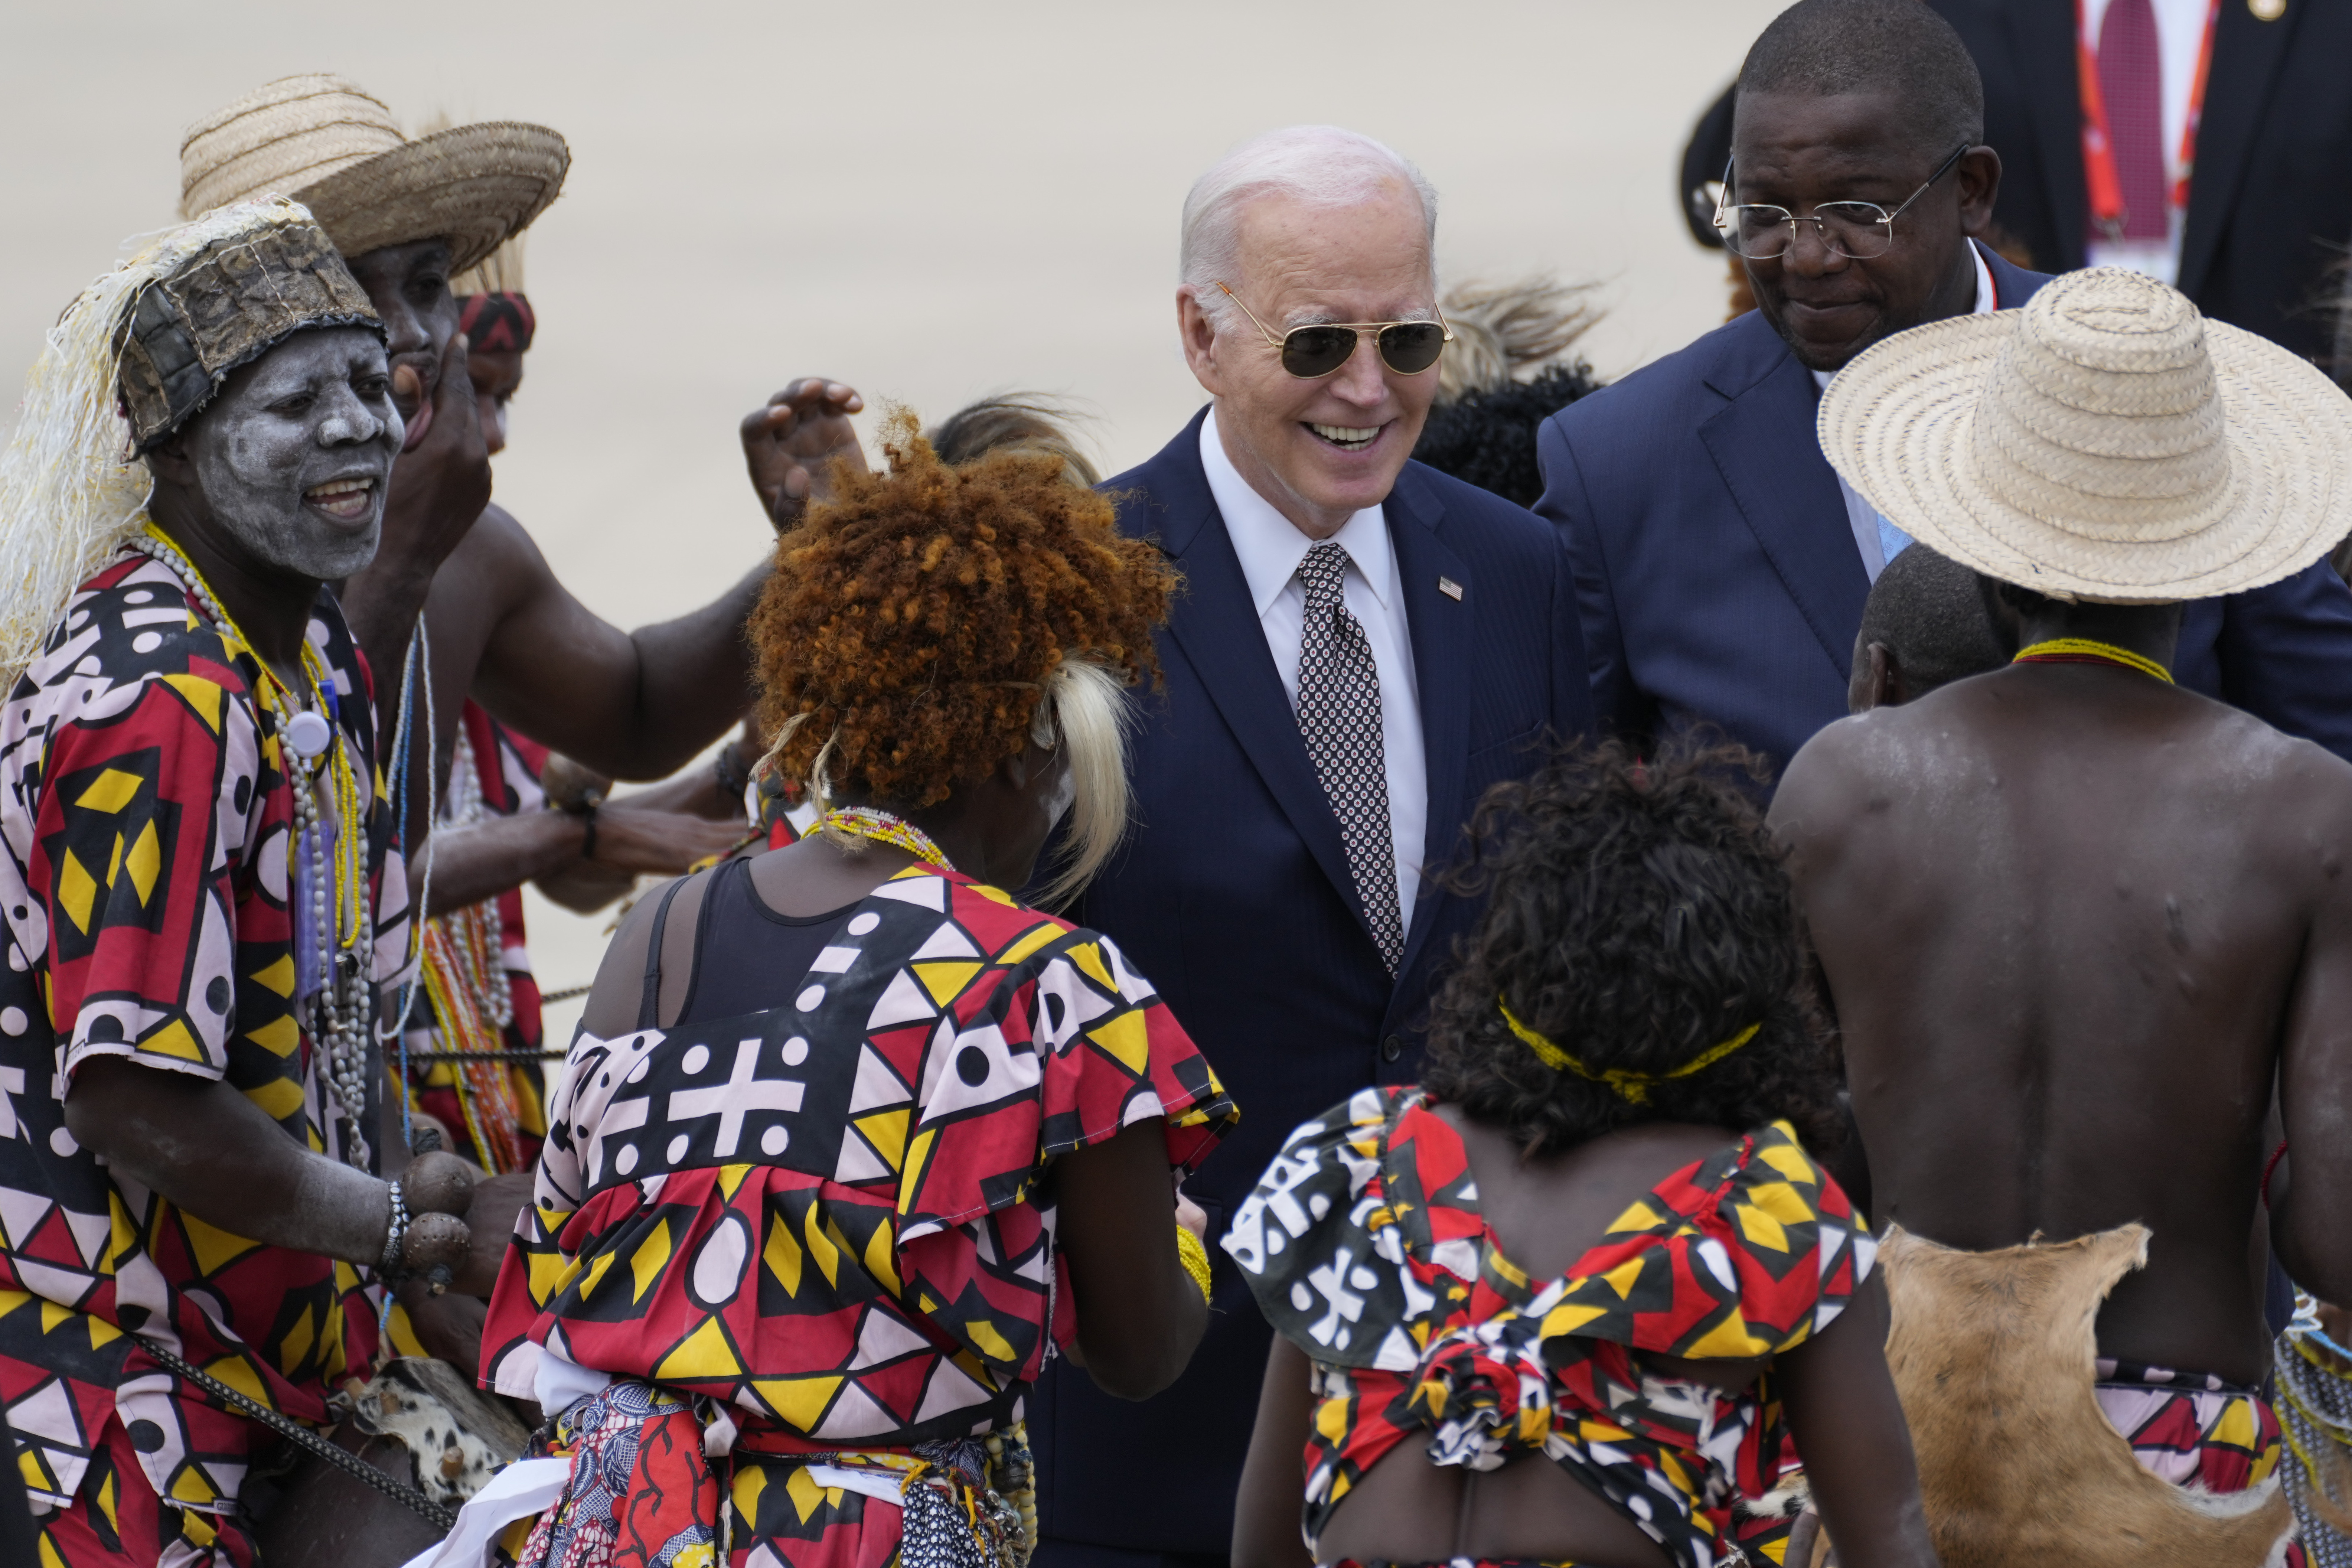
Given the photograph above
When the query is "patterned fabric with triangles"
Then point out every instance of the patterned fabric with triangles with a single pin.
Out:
(142, 890)
(827, 1215)
(1364, 1243)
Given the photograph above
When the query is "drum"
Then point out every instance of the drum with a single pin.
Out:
(418, 1421)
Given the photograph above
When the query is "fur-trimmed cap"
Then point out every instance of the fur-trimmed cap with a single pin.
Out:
(231, 302)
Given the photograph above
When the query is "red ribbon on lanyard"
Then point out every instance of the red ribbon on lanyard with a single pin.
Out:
(2099, 152)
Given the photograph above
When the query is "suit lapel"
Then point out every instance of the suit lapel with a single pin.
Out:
(1215, 622)
(1763, 444)
(2042, 34)
(1439, 625)
(2247, 51)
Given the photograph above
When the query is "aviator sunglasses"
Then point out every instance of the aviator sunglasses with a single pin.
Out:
(1313, 351)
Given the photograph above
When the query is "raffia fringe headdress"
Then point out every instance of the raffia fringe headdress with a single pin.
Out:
(70, 489)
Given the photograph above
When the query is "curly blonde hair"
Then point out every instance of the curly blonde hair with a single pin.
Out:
(928, 622)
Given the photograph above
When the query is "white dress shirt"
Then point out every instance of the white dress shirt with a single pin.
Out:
(1878, 540)
(2179, 36)
(1271, 549)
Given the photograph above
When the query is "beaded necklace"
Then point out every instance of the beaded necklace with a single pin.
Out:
(326, 859)
(463, 971)
(2083, 651)
(886, 828)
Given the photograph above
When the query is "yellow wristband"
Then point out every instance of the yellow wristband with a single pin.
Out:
(1194, 1258)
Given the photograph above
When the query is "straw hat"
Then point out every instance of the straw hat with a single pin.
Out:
(2106, 442)
(322, 141)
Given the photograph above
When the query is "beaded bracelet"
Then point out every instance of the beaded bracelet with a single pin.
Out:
(395, 1236)
(1194, 1256)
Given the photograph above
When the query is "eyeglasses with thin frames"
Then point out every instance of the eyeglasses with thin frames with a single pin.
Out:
(1860, 231)
(1313, 351)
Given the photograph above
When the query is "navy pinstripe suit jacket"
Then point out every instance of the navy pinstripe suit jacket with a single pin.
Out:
(1234, 896)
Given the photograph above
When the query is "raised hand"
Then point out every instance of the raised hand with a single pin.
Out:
(442, 482)
(790, 443)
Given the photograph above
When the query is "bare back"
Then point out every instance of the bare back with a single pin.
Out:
(2065, 914)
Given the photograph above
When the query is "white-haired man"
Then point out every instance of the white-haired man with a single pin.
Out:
(1365, 646)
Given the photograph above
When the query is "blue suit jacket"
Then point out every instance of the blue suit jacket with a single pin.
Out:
(1232, 895)
(1719, 581)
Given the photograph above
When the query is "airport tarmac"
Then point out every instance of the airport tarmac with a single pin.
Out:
(930, 201)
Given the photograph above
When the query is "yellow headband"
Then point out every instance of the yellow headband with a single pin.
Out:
(1633, 1085)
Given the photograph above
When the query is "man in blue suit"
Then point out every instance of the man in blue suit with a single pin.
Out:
(1721, 564)
(1363, 647)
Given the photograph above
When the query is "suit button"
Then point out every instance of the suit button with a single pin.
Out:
(1391, 1048)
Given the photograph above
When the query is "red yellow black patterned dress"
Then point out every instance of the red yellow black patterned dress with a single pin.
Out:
(1365, 1245)
(802, 1259)
(143, 889)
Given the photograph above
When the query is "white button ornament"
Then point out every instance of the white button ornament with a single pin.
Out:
(308, 733)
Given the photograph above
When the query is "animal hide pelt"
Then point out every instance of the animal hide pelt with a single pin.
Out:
(1992, 1354)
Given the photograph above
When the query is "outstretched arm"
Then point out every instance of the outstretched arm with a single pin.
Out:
(628, 704)
(638, 705)
(470, 864)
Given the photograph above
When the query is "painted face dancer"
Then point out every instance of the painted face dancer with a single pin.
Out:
(2078, 923)
(899, 1133)
(408, 215)
(193, 824)
(1562, 1300)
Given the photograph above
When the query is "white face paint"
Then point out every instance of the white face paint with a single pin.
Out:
(293, 456)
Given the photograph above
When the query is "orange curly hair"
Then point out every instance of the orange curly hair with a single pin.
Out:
(913, 619)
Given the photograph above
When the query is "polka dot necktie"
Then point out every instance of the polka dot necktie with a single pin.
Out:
(1340, 715)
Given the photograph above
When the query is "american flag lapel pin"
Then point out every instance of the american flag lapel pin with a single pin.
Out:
(1449, 587)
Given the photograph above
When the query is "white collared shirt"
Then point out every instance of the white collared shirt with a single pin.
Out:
(1271, 549)
(1873, 534)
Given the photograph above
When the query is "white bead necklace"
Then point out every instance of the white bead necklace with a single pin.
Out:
(343, 1006)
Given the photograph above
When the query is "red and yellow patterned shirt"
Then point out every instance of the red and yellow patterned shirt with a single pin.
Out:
(1365, 1245)
(143, 891)
(829, 1215)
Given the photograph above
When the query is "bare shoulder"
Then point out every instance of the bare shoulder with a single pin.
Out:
(498, 543)
(2310, 786)
(1841, 764)
(615, 999)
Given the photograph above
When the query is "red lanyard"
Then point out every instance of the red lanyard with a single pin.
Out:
(2099, 154)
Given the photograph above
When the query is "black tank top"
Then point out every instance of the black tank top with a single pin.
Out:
(747, 957)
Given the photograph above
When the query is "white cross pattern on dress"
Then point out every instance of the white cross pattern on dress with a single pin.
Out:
(743, 1092)
(1331, 1282)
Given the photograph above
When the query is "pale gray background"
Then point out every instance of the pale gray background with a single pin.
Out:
(930, 200)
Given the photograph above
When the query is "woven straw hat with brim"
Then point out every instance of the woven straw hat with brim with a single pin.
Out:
(2106, 442)
(322, 141)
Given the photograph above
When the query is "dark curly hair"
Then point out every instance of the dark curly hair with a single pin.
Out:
(1487, 437)
(914, 618)
(1638, 914)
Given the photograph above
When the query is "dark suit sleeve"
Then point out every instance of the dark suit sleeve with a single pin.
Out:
(2286, 656)
(1617, 707)
(1571, 687)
